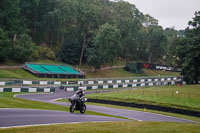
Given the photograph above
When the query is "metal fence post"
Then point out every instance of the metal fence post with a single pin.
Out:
(188, 94)
(157, 92)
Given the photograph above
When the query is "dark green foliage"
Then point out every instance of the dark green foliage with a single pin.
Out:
(172, 38)
(70, 52)
(9, 17)
(35, 16)
(189, 51)
(23, 49)
(70, 48)
(156, 43)
(85, 31)
(132, 67)
(105, 48)
(107, 43)
(5, 46)
(94, 58)
(46, 53)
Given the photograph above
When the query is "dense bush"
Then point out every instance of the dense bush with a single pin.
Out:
(132, 67)
(46, 53)
(5, 46)
(23, 48)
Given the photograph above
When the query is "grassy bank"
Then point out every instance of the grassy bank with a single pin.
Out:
(120, 72)
(111, 127)
(185, 97)
(193, 118)
(8, 101)
(19, 73)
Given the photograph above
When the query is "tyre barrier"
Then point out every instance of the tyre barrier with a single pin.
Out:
(147, 106)
(32, 89)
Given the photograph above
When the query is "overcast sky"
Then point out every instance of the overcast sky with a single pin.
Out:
(169, 13)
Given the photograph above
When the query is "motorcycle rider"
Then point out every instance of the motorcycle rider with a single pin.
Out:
(77, 101)
(80, 92)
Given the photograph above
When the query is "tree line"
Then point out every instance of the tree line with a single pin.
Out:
(92, 32)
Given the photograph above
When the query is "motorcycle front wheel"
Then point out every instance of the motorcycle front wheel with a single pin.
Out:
(72, 107)
(83, 109)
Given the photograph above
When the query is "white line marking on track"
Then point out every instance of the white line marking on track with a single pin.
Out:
(58, 99)
(53, 124)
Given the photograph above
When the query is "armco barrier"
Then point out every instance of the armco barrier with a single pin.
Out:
(29, 82)
(120, 85)
(32, 89)
(90, 81)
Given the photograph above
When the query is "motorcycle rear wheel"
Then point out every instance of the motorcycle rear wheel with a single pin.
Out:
(82, 111)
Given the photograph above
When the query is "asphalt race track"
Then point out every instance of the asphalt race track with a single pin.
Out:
(24, 117)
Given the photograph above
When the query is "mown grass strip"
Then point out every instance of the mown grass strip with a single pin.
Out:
(8, 101)
(120, 72)
(185, 97)
(148, 110)
(110, 127)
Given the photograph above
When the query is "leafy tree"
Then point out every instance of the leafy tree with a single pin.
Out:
(77, 22)
(69, 28)
(128, 20)
(149, 20)
(188, 51)
(172, 41)
(94, 58)
(5, 46)
(87, 22)
(35, 15)
(10, 17)
(107, 41)
(24, 48)
(70, 51)
(156, 43)
(45, 52)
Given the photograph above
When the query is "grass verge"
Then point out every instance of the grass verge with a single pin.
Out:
(110, 127)
(8, 101)
(185, 97)
(150, 111)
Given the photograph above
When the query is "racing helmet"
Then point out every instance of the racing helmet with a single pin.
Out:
(80, 88)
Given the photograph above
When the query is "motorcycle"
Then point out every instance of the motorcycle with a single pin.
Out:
(77, 103)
